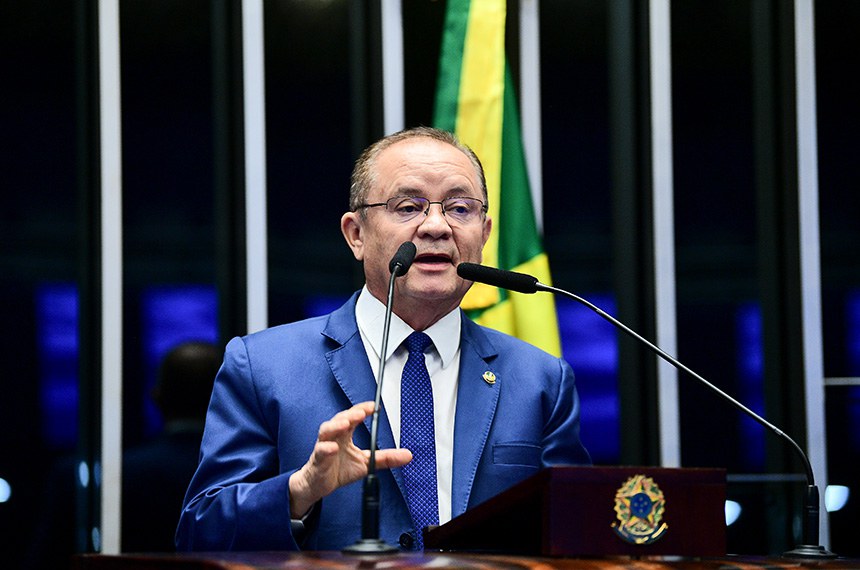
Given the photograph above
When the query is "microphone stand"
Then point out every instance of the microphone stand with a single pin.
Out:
(370, 543)
(809, 549)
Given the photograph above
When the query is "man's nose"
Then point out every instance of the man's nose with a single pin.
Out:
(434, 219)
(431, 209)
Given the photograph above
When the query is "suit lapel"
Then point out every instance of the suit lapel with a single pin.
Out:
(351, 370)
(476, 406)
(350, 367)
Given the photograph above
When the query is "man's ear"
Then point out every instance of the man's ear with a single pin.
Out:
(353, 232)
(488, 227)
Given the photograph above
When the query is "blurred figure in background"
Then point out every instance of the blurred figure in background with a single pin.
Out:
(155, 474)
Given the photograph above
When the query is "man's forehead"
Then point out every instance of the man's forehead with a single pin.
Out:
(421, 145)
(423, 156)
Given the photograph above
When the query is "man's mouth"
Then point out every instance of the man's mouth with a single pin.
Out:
(433, 259)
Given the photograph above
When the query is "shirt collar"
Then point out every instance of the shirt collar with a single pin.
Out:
(370, 315)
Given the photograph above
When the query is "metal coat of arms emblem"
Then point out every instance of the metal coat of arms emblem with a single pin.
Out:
(639, 505)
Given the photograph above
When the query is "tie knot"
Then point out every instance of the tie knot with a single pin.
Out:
(417, 342)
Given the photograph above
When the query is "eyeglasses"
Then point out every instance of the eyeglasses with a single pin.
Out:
(460, 209)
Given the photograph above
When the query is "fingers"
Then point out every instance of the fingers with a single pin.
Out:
(390, 458)
(344, 423)
(324, 449)
(336, 461)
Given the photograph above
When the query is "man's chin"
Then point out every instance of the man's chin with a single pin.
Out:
(435, 294)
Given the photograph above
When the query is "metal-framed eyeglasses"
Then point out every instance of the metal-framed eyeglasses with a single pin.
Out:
(461, 210)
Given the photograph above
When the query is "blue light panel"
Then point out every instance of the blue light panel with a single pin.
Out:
(750, 366)
(57, 339)
(590, 345)
(172, 315)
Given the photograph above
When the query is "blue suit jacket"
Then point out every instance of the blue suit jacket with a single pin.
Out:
(277, 386)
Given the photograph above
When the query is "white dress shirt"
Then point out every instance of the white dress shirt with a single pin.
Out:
(443, 364)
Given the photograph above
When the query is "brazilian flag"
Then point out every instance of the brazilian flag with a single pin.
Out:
(475, 99)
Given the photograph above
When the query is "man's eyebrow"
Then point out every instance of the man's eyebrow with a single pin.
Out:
(455, 191)
(458, 191)
(409, 191)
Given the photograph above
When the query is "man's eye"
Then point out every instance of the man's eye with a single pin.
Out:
(408, 207)
(457, 208)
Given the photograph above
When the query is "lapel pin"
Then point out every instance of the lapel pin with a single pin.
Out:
(489, 378)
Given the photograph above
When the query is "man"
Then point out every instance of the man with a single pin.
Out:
(288, 425)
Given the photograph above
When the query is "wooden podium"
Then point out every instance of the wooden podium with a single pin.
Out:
(597, 511)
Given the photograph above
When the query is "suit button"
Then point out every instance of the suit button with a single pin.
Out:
(406, 540)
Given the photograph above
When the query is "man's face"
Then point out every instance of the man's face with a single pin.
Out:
(433, 170)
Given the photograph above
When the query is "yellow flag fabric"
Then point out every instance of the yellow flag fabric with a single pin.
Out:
(475, 99)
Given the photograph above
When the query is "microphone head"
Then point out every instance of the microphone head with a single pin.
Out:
(512, 280)
(402, 260)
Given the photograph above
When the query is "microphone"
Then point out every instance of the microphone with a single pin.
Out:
(523, 283)
(519, 282)
(370, 543)
(400, 263)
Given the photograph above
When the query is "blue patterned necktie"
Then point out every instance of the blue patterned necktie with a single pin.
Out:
(418, 435)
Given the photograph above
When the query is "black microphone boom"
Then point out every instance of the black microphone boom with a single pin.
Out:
(523, 283)
(370, 543)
